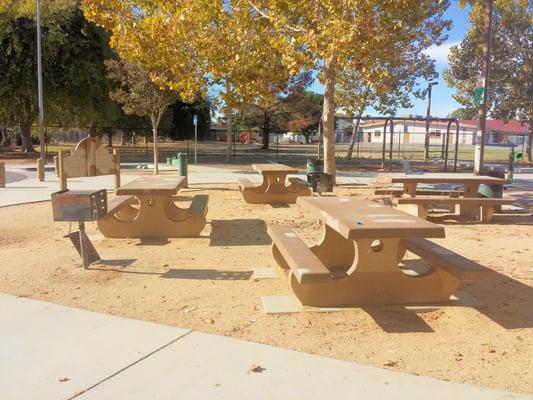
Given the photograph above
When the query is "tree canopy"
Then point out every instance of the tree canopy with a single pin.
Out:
(511, 75)
(75, 86)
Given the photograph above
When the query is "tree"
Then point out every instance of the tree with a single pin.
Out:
(345, 34)
(182, 115)
(464, 113)
(139, 95)
(305, 114)
(273, 111)
(511, 72)
(75, 85)
(402, 80)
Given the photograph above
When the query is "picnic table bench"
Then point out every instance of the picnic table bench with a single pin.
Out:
(145, 208)
(357, 262)
(273, 189)
(420, 205)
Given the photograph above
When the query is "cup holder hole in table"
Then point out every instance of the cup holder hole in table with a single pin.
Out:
(376, 246)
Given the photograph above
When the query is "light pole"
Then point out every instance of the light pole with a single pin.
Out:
(42, 159)
(428, 115)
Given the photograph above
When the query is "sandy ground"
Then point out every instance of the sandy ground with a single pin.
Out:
(206, 284)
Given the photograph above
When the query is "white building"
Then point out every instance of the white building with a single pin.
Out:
(413, 132)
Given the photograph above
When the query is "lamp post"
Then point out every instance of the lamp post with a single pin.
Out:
(428, 115)
(41, 162)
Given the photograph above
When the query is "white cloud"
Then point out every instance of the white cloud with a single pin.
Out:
(440, 53)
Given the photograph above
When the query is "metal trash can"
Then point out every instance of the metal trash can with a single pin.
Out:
(315, 166)
(493, 191)
(181, 161)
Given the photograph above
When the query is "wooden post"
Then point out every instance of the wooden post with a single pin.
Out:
(56, 165)
(40, 168)
(62, 172)
(116, 154)
(2, 175)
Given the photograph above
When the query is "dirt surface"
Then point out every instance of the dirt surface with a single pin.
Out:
(206, 284)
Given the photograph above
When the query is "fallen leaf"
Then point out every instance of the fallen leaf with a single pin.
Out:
(391, 363)
(64, 379)
(255, 369)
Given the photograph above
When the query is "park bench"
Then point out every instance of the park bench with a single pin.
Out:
(199, 205)
(245, 183)
(440, 257)
(298, 181)
(398, 192)
(420, 205)
(304, 264)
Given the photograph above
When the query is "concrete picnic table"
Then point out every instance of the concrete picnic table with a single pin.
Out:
(145, 208)
(470, 184)
(357, 259)
(274, 188)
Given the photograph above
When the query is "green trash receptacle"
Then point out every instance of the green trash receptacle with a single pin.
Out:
(181, 161)
(315, 166)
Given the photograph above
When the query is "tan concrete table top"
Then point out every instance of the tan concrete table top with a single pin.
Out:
(471, 179)
(282, 168)
(364, 219)
(153, 185)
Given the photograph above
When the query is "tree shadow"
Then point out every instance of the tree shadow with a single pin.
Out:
(207, 274)
(239, 232)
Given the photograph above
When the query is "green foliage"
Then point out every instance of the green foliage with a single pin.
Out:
(75, 86)
(464, 113)
(182, 114)
(510, 91)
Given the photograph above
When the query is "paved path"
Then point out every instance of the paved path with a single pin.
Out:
(49, 352)
(24, 187)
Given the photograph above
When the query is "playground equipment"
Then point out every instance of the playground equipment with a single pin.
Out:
(89, 158)
(80, 206)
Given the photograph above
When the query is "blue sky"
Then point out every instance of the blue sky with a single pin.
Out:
(442, 102)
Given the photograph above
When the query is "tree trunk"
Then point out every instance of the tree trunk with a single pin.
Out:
(122, 138)
(266, 131)
(229, 133)
(109, 139)
(354, 134)
(155, 123)
(529, 143)
(27, 144)
(328, 116)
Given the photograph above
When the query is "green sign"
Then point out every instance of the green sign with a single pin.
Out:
(478, 96)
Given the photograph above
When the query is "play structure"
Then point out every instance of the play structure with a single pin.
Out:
(89, 158)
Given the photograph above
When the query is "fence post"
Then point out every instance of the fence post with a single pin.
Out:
(2, 175)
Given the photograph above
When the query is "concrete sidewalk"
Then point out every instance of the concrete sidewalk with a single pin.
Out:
(54, 352)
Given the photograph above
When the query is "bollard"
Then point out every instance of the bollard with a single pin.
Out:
(182, 165)
(2, 175)
(41, 162)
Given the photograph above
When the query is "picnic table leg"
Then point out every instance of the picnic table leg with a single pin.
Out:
(471, 212)
(410, 188)
(275, 182)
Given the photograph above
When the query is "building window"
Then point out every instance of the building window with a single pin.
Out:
(377, 133)
(434, 134)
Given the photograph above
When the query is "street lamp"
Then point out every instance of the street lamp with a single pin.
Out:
(42, 159)
(428, 115)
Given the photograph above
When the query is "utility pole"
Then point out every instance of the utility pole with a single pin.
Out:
(428, 116)
(41, 162)
(485, 72)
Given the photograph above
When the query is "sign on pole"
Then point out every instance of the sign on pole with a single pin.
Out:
(195, 123)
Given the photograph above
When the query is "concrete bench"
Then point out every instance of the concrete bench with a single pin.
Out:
(398, 192)
(199, 205)
(246, 183)
(298, 181)
(423, 203)
(440, 257)
(304, 264)
(116, 203)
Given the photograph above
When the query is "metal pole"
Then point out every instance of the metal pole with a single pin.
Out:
(480, 136)
(456, 145)
(195, 143)
(384, 144)
(428, 115)
(234, 142)
(391, 142)
(42, 159)
(277, 146)
(84, 262)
